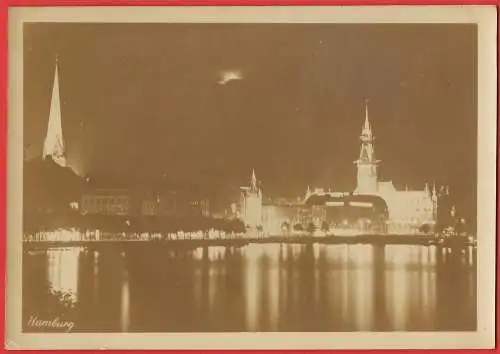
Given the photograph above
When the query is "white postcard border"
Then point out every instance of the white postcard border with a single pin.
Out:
(483, 16)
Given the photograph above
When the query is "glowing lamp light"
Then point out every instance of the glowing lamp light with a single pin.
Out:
(361, 204)
(334, 203)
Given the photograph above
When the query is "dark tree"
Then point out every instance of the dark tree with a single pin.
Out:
(285, 226)
(325, 227)
(426, 228)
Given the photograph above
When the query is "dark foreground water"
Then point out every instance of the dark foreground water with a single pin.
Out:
(272, 287)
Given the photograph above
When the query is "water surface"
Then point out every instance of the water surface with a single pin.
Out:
(259, 287)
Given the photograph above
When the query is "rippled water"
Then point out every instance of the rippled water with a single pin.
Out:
(272, 287)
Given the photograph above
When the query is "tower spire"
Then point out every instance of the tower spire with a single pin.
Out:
(366, 127)
(54, 144)
(367, 163)
(254, 180)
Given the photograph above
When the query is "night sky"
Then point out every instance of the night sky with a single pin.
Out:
(150, 99)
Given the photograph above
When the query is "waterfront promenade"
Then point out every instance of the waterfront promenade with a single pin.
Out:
(238, 241)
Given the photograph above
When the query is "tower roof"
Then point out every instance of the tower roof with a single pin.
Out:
(366, 127)
(253, 180)
(367, 153)
(366, 131)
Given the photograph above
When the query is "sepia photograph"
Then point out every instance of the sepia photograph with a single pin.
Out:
(328, 174)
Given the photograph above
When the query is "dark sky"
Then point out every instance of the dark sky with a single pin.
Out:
(145, 99)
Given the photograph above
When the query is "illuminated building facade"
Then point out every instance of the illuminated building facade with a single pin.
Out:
(251, 203)
(408, 210)
(337, 212)
(106, 202)
(137, 202)
(175, 203)
(280, 218)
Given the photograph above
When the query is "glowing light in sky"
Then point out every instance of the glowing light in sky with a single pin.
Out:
(230, 75)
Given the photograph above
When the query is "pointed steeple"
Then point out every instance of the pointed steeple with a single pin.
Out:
(254, 180)
(366, 126)
(54, 142)
(367, 153)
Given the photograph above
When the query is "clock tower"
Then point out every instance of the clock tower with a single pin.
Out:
(367, 179)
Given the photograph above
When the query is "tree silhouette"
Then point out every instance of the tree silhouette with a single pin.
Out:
(325, 227)
(298, 227)
(285, 226)
(426, 228)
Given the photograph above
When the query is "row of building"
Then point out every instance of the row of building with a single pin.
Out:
(130, 201)
(373, 202)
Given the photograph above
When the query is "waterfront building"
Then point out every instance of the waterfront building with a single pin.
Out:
(409, 210)
(106, 202)
(280, 216)
(339, 212)
(173, 202)
(139, 202)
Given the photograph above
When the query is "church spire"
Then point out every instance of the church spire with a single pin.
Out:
(54, 144)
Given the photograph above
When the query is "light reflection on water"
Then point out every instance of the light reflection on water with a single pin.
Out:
(258, 287)
(62, 266)
(125, 304)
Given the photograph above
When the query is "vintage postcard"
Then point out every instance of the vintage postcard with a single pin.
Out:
(251, 177)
